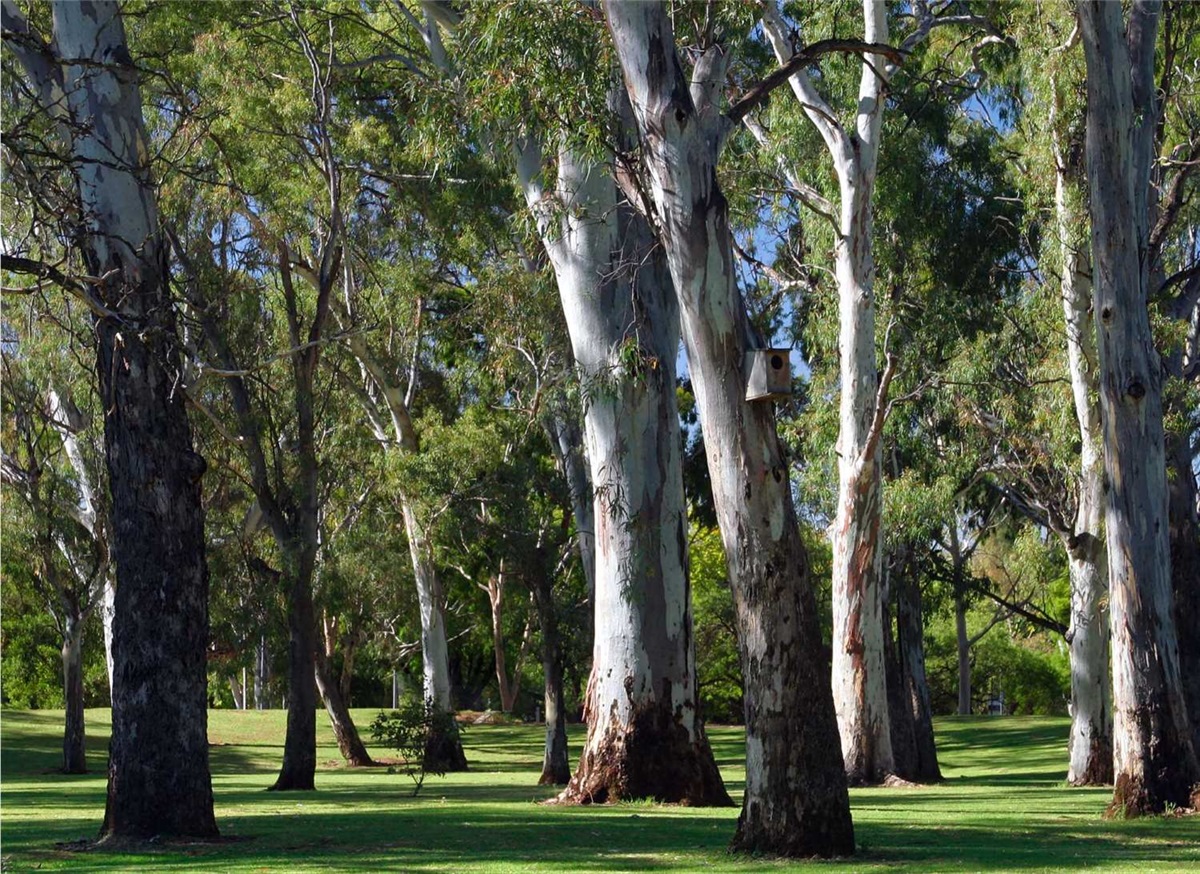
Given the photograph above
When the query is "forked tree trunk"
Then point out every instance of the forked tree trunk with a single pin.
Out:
(645, 739)
(910, 634)
(74, 739)
(159, 781)
(300, 740)
(796, 801)
(344, 730)
(556, 766)
(444, 750)
(859, 682)
(1090, 744)
(1155, 763)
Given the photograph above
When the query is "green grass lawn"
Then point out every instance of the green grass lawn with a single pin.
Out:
(1003, 807)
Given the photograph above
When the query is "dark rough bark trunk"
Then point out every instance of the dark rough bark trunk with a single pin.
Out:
(74, 740)
(300, 741)
(348, 740)
(1155, 763)
(796, 801)
(1185, 571)
(964, 655)
(910, 634)
(159, 781)
(900, 716)
(556, 765)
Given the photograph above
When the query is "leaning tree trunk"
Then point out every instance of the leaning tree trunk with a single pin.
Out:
(74, 739)
(298, 771)
(910, 634)
(1090, 744)
(1154, 761)
(645, 738)
(349, 743)
(159, 781)
(443, 749)
(556, 766)
(796, 801)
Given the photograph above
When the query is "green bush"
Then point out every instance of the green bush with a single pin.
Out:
(409, 729)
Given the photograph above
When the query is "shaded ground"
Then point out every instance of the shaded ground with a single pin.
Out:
(1004, 807)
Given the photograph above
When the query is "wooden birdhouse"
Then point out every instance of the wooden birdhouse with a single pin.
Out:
(768, 374)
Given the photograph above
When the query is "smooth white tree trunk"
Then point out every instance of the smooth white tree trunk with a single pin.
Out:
(644, 736)
(1090, 744)
(859, 676)
(1154, 762)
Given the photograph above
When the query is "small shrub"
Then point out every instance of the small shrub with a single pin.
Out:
(408, 730)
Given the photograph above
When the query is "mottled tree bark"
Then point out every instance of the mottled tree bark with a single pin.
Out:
(645, 738)
(159, 781)
(1155, 763)
(796, 801)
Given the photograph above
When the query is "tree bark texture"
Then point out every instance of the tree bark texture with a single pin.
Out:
(1185, 570)
(74, 738)
(645, 739)
(910, 635)
(566, 442)
(859, 680)
(1090, 744)
(298, 771)
(445, 751)
(344, 730)
(796, 801)
(556, 765)
(1154, 761)
(159, 781)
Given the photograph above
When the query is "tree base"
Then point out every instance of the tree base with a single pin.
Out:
(1099, 768)
(444, 754)
(1135, 797)
(293, 783)
(651, 758)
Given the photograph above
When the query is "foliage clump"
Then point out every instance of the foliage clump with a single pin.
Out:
(413, 730)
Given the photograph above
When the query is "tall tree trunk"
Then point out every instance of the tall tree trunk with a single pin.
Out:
(910, 633)
(443, 749)
(1090, 745)
(260, 673)
(566, 442)
(74, 740)
(348, 740)
(1185, 570)
(556, 766)
(159, 781)
(796, 801)
(859, 681)
(508, 690)
(299, 767)
(645, 739)
(964, 654)
(900, 717)
(1154, 760)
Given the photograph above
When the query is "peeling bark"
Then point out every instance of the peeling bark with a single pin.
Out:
(796, 801)
(645, 738)
(1155, 763)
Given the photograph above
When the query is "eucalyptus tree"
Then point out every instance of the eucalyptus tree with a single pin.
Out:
(51, 464)
(796, 801)
(85, 79)
(1155, 762)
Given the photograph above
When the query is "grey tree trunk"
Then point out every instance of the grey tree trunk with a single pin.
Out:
(1154, 761)
(859, 679)
(796, 801)
(348, 740)
(159, 781)
(964, 654)
(556, 765)
(910, 634)
(1090, 744)
(566, 442)
(260, 674)
(1185, 570)
(74, 738)
(645, 739)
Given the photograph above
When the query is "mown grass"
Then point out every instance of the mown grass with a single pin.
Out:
(1003, 807)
